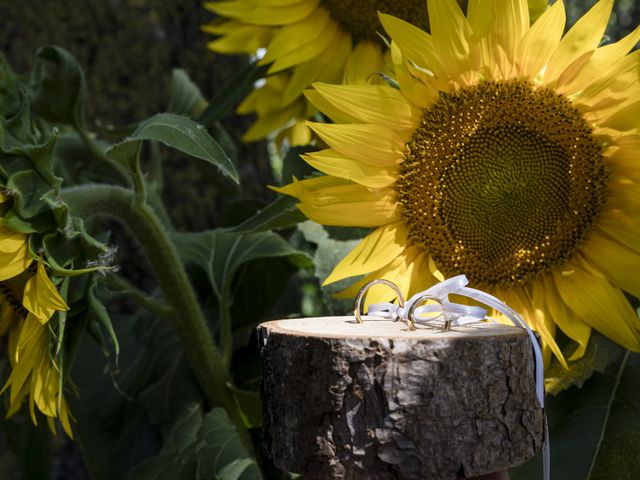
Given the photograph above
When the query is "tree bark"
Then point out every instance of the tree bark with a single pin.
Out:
(349, 401)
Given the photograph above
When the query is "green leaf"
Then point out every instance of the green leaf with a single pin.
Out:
(10, 90)
(102, 316)
(238, 86)
(20, 123)
(250, 406)
(617, 453)
(281, 213)
(176, 132)
(30, 191)
(220, 452)
(599, 354)
(185, 97)
(58, 86)
(595, 430)
(212, 451)
(222, 252)
(328, 253)
(42, 158)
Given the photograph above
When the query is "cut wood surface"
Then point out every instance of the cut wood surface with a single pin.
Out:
(375, 401)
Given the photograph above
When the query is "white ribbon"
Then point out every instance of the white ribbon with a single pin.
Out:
(459, 314)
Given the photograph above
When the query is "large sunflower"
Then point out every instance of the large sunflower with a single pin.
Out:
(28, 300)
(307, 41)
(508, 152)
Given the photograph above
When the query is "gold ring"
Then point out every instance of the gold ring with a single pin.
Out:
(419, 300)
(363, 292)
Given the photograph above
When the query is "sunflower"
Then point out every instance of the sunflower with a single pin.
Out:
(28, 300)
(501, 150)
(307, 41)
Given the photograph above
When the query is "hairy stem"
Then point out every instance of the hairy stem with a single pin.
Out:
(99, 154)
(187, 316)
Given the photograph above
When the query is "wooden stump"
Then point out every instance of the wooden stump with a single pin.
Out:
(374, 401)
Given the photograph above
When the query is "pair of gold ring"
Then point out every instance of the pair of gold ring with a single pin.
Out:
(409, 318)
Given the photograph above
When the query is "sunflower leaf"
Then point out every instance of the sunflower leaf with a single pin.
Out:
(176, 132)
(185, 97)
(281, 213)
(59, 87)
(595, 430)
(200, 448)
(222, 252)
(328, 253)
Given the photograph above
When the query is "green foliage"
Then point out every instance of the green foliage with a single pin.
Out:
(185, 98)
(595, 429)
(176, 132)
(136, 379)
(200, 447)
(221, 253)
(58, 87)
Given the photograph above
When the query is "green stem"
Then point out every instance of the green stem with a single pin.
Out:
(226, 332)
(187, 316)
(123, 287)
(99, 155)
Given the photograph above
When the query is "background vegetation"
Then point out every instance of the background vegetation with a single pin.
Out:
(141, 411)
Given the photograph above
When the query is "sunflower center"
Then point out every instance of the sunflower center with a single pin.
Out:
(360, 17)
(501, 182)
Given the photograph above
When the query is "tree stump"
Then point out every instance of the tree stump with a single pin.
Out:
(375, 401)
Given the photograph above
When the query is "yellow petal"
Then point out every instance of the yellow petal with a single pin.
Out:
(417, 90)
(264, 15)
(372, 144)
(623, 159)
(31, 333)
(601, 59)
(618, 263)
(332, 163)
(585, 35)
(303, 34)
(306, 51)
(626, 118)
(271, 121)
(599, 305)
(242, 39)
(329, 109)
(10, 240)
(539, 43)
(511, 23)
(299, 134)
(334, 201)
(41, 297)
(14, 263)
(327, 66)
(65, 418)
(621, 79)
(537, 319)
(572, 326)
(415, 44)
(400, 271)
(480, 17)
(375, 104)
(375, 251)
(622, 227)
(365, 60)
(450, 32)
